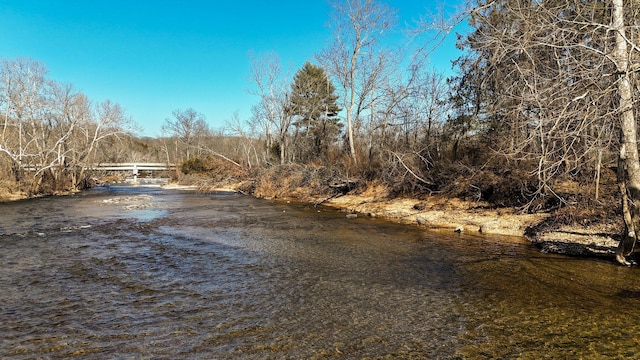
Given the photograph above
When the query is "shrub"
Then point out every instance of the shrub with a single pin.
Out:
(193, 165)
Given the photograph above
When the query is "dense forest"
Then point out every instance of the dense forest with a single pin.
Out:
(541, 115)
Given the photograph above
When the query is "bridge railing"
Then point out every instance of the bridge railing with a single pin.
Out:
(135, 167)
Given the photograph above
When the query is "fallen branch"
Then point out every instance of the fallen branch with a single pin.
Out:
(409, 170)
(220, 155)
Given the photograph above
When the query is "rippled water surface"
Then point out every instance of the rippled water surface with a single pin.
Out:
(156, 274)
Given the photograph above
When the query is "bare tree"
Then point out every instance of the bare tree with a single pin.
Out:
(555, 79)
(25, 89)
(271, 111)
(187, 128)
(49, 130)
(354, 57)
(629, 161)
(69, 112)
(246, 139)
(109, 123)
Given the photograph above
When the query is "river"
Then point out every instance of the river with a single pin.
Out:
(148, 273)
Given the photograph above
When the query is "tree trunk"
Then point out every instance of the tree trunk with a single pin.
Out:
(352, 95)
(598, 172)
(283, 145)
(352, 148)
(629, 161)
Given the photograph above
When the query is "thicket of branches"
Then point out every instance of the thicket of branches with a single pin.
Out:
(50, 132)
(554, 85)
(531, 119)
(403, 125)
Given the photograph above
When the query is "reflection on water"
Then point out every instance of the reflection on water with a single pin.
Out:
(149, 273)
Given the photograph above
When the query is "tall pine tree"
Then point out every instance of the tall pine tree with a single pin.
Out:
(313, 103)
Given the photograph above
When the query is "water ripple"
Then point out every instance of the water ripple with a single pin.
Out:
(231, 277)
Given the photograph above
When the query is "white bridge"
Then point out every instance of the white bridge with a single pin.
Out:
(136, 168)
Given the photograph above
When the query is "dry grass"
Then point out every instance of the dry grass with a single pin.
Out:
(10, 191)
(306, 183)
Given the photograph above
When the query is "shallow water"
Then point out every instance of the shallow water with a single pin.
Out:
(135, 272)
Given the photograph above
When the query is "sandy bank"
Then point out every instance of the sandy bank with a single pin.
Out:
(476, 217)
(441, 213)
(174, 186)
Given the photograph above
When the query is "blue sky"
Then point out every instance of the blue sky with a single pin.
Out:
(153, 57)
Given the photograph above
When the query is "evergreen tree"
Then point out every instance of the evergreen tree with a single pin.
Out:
(313, 103)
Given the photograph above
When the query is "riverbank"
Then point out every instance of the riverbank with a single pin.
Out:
(577, 238)
(17, 195)
(441, 213)
(10, 191)
(570, 230)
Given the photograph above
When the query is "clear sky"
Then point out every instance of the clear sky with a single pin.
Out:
(155, 56)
